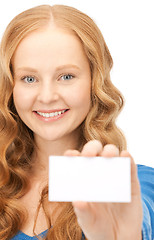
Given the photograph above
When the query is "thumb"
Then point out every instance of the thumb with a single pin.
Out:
(83, 213)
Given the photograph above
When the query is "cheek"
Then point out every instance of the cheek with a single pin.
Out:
(80, 98)
(20, 98)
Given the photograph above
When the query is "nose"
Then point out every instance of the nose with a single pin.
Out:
(48, 92)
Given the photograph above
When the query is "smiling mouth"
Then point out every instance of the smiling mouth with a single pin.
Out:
(52, 114)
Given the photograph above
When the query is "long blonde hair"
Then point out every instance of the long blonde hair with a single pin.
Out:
(16, 139)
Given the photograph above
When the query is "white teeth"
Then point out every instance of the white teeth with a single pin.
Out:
(48, 115)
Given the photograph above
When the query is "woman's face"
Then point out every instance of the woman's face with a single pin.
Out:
(52, 91)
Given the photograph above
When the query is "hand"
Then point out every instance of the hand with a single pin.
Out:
(110, 221)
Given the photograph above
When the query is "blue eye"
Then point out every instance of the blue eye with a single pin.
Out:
(67, 77)
(29, 79)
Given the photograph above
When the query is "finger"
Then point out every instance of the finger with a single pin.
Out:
(92, 148)
(110, 150)
(135, 186)
(72, 153)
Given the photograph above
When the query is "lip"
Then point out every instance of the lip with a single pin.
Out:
(50, 119)
(51, 111)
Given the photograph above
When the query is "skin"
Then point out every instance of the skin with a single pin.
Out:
(43, 58)
(49, 55)
(112, 221)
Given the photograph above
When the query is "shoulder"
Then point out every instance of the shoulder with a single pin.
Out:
(144, 170)
(146, 179)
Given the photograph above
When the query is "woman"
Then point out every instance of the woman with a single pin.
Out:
(57, 99)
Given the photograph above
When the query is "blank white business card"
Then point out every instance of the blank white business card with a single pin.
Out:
(91, 179)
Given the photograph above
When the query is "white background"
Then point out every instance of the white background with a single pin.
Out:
(128, 29)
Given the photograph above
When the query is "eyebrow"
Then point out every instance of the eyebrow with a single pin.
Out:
(57, 69)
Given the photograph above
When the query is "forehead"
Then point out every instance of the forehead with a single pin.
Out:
(51, 43)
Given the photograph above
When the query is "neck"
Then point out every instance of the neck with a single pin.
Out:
(45, 148)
